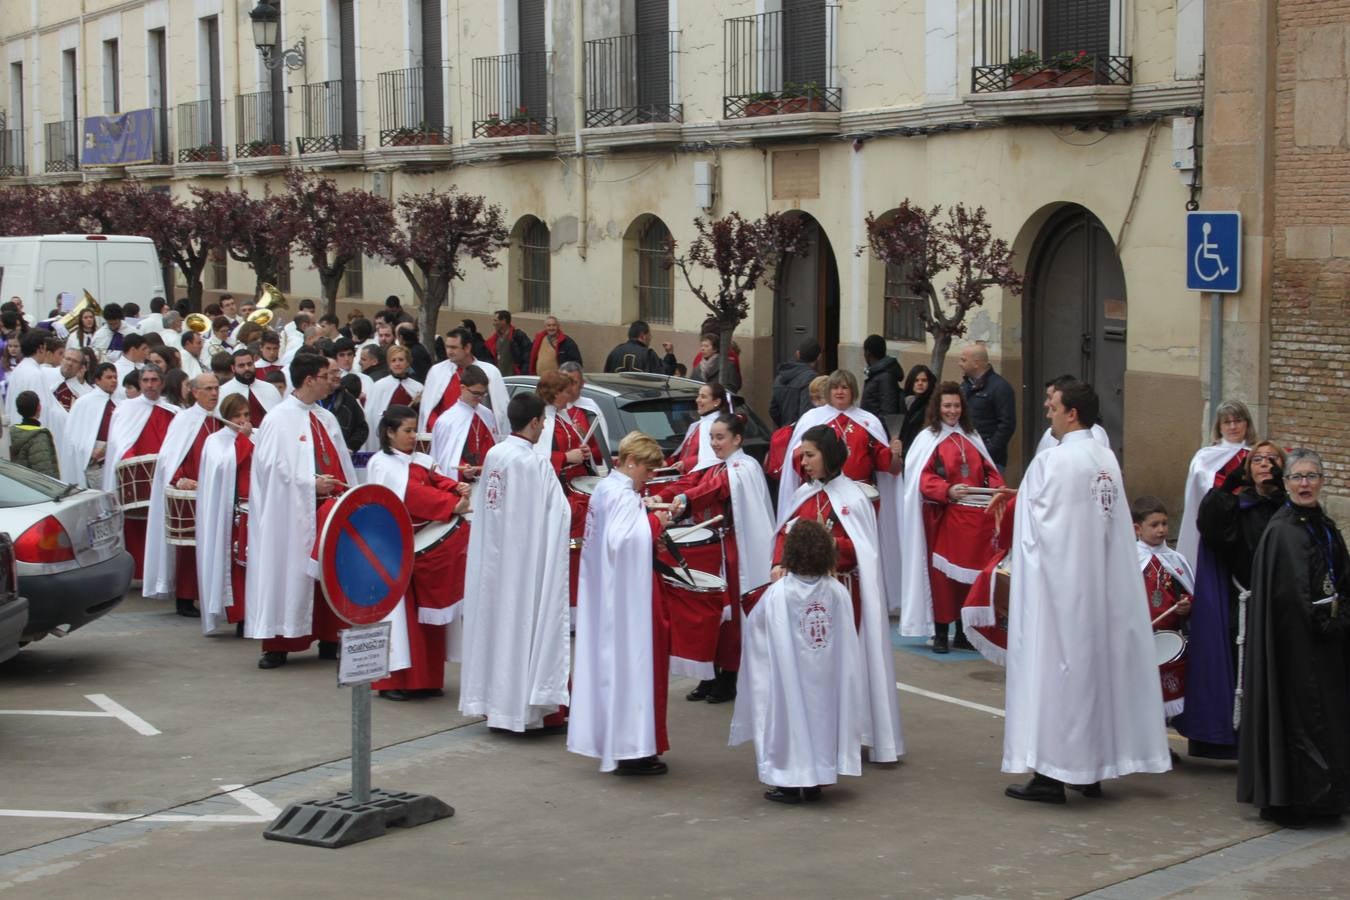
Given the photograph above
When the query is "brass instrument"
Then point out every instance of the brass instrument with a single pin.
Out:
(197, 322)
(71, 320)
(271, 301)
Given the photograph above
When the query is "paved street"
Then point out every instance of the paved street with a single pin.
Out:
(187, 728)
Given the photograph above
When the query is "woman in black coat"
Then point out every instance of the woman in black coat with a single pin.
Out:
(918, 391)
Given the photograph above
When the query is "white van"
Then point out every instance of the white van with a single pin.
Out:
(114, 268)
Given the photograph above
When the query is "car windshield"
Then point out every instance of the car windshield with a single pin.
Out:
(24, 487)
(662, 419)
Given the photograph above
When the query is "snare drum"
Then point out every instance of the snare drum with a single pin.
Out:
(1002, 591)
(869, 491)
(424, 443)
(135, 476)
(695, 536)
(584, 484)
(427, 536)
(180, 518)
(240, 543)
(1169, 651)
(695, 620)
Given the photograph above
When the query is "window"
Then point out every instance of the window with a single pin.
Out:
(70, 76)
(284, 274)
(217, 271)
(533, 61)
(209, 48)
(534, 267)
(903, 306)
(655, 295)
(15, 119)
(353, 277)
(158, 91)
(112, 88)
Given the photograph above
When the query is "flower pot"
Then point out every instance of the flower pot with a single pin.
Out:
(1052, 78)
(800, 104)
(513, 129)
(416, 138)
(761, 108)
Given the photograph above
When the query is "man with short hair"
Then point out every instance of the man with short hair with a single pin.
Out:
(90, 419)
(552, 349)
(351, 418)
(992, 403)
(508, 346)
(384, 334)
(636, 354)
(107, 341)
(792, 384)
(71, 387)
(171, 329)
(407, 335)
(328, 327)
(262, 397)
(171, 570)
(463, 435)
(154, 321)
(138, 428)
(344, 353)
(222, 366)
(230, 310)
(269, 354)
(363, 335)
(131, 314)
(300, 462)
(192, 346)
(442, 387)
(135, 349)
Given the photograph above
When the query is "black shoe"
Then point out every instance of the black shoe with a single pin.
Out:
(188, 608)
(1285, 816)
(395, 695)
(239, 629)
(553, 729)
(1093, 790)
(328, 649)
(647, 765)
(272, 659)
(791, 796)
(430, 692)
(811, 794)
(961, 642)
(1038, 790)
(940, 640)
(700, 692)
(724, 687)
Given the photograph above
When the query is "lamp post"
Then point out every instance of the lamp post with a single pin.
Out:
(266, 20)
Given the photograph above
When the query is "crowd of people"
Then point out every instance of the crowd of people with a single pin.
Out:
(571, 572)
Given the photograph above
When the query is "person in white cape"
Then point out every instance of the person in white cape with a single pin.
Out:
(1234, 433)
(87, 437)
(695, 451)
(299, 462)
(398, 388)
(802, 698)
(29, 375)
(137, 429)
(516, 649)
(619, 682)
(1048, 439)
(442, 387)
(872, 458)
(584, 411)
(262, 397)
(1169, 583)
(222, 536)
(464, 434)
(1083, 698)
(837, 502)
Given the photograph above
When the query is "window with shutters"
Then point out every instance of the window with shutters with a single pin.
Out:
(112, 78)
(655, 287)
(535, 278)
(903, 306)
(782, 61)
(353, 278)
(1026, 44)
(628, 77)
(412, 100)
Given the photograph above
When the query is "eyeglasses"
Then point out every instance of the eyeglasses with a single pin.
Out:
(1266, 459)
(477, 393)
(1305, 477)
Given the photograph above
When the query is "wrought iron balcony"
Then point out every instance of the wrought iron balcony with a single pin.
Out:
(1027, 44)
(781, 62)
(260, 125)
(62, 146)
(512, 95)
(628, 80)
(199, 133)
(412, 107)
(330, 120)
(12, 145)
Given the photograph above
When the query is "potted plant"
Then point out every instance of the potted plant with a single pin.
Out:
(521, 122)
(204, 153)
(1073, 67)
(263, 148)
(1028, 71)
(802, 96)
(761, 103)
(407, 136)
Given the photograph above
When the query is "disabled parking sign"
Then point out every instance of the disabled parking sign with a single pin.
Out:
(1214, 252)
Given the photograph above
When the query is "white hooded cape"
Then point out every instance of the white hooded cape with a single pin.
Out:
(451, 432)
(916, 597)
(1084, 701)
(1170, 559)
(76, 450)
(593, 409)
(752, 513)
(378, 400)
(613, 714)
(882, 730)
(516, 648)
(701, 430)
(161, 560)
(544, 446)
(438, 381)
(891, 487)
(267, 395)
(801, 697)
(1199, 481)
(29, 376)
(391, 470)
(1049, 440)
(128, 420)
(282, 521)
(216, 483)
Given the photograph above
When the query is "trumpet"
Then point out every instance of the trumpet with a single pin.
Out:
(71, 320)
(197, 322)
(271, 301)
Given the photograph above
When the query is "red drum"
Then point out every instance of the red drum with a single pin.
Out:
(1169, 650)
(654, 485)
(135, 476)
(695, 536)
(752, 597)
(584, 484)
(241, 528)
(695, 620)
(1002, 591)
(180, 518)
(427, 536)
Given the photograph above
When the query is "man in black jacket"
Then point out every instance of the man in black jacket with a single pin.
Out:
(792, 384)
(346, 408)
(991, 401)
(636, 354)
(408, 337)
(881, 385)
(508, 346)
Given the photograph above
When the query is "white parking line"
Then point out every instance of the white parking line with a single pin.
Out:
(118, 711)
(263, 810)
(253, 800)
(909, 688)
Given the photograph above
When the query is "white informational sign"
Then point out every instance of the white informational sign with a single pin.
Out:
(365, 653)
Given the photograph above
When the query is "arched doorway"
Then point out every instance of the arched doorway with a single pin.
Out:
(806, 303)
(1075, 307)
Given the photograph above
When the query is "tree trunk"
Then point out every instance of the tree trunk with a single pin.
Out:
(724, 365)
(433, 298)
(940, 348)
(330, 279)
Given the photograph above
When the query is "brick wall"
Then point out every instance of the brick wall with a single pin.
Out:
(1310, 269)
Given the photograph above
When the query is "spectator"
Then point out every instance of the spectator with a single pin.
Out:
(552, 348)
(993, 405)
(222, 366)
(681, 370)
(636, 354)
(712, 326)
(372, 361)
(394, 307)
(345, 405)
(792, 384)
(508, 346)
(881, 379)
(410, 338)
(709, 367)
(30, 444)
(918, 391)
(480, 350)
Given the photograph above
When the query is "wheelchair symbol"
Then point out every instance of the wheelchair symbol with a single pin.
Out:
(1209, 253)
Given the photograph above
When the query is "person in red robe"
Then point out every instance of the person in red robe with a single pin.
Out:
(781, 438)
(960, 537)
(570, 458)
(235, 411)
(430, 497)
(205, 391)
(135, 431)
(710, 403)
(866, 455)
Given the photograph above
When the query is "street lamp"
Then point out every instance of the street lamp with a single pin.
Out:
(266, 36)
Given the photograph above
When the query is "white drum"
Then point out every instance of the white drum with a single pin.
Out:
(585, 484)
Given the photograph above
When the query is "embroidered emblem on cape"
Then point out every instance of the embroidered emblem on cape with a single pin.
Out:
(1171, 683)
(815, 626)
(1104, 492)
(492, 489)
(304, 439)
(843, 510)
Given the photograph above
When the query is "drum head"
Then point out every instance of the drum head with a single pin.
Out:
(869, 491)
(585, 484)
(1167, 646)
(704, 582)
(696, 536)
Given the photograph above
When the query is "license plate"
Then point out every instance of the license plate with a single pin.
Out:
(102, 531)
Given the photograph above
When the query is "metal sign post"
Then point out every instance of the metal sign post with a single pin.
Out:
(1214, 266)
(365, 561)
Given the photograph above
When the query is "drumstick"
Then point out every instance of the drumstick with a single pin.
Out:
(666, 469)
(661, 505)
(1165, 614)
(590, 431)
(688, 529)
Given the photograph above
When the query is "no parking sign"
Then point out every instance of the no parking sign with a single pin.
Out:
(366, 554)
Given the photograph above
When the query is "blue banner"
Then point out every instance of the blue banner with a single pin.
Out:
(121, 140)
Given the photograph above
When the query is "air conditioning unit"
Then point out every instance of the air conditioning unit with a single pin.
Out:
(705, 185)
(382, 185)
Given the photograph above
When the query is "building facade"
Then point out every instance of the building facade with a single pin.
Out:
(605, 127)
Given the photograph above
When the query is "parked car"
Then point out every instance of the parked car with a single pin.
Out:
(68, 550)
(13, 608)
(659, 405)
(117, 267)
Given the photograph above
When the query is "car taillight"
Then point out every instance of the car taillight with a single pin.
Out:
(45, 542)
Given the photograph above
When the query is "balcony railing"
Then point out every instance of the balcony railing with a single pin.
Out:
(512, 96)
(1026, 44)
(198, 140)
(412, 107)
(781, 62)
(628, 80)
(259, 125)
(330, 120)
(62, 146)
(12, 153)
